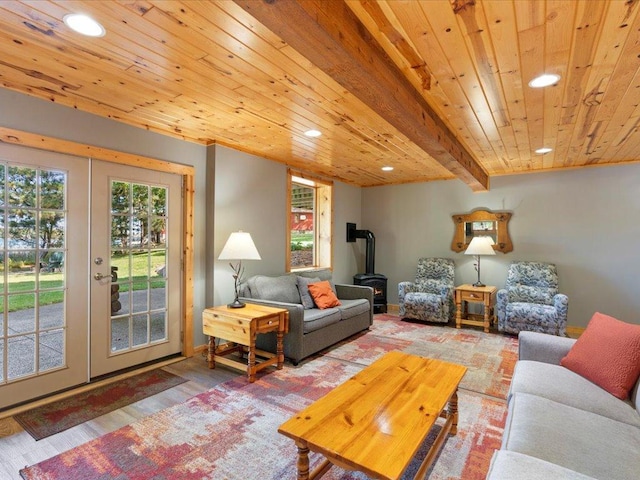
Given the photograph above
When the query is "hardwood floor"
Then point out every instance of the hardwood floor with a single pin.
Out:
(18, 449)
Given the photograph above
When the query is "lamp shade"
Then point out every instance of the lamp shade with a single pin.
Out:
(480, 246)
(239, 246)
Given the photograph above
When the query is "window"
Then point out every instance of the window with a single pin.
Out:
(309, 222)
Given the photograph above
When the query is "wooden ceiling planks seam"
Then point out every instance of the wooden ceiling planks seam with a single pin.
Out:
(411, 21)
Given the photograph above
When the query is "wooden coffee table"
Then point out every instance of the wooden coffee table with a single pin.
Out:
(376, 421)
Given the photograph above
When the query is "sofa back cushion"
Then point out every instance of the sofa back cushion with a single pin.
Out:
(303, 289)
(280, 289)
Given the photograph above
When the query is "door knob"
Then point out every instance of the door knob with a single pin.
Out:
(101, 276)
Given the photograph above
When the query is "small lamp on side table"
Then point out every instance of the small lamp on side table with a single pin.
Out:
(239, 247)
(480, 246)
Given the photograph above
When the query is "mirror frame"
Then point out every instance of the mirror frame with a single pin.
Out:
(503, 243)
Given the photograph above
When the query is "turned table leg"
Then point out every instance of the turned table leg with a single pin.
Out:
(487, 316)
(251, 367)
(211, 352)
(453, 412)
(303, 460)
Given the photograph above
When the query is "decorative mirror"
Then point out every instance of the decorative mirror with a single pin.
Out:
(482, 223)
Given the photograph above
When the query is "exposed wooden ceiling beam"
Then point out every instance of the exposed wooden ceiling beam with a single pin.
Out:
(330, 36)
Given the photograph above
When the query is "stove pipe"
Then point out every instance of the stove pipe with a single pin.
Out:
(353, 233)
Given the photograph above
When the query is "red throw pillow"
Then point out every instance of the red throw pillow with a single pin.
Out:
(323, 295)
(607, 354)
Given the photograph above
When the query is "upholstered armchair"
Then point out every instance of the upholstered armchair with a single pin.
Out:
(530, 300)
(430, 297)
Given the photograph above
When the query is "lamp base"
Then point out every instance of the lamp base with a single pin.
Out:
(236, 304)
(479, 284)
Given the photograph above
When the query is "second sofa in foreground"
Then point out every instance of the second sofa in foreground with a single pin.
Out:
(562, 425)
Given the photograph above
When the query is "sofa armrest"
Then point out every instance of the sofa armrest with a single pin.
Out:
(353, 292)
(542, 347)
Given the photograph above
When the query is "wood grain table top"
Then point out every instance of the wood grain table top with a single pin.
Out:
(376, 421)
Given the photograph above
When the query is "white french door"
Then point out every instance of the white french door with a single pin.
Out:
(136, 252)
(43, 273)
(90, 270)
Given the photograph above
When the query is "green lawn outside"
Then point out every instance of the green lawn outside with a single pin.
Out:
(25, 282)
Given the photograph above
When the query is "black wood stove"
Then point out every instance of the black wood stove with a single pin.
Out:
(371, 279)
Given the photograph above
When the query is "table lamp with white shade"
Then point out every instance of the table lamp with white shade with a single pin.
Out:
(480, 246)
(239, 247)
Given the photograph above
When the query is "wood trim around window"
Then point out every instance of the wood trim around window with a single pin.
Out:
(26, 139)
(323, 220)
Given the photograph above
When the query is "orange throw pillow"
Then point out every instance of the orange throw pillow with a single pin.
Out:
(323, 295)
(607, 354)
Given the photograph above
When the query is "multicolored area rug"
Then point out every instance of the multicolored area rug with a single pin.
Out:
(230, 431)
(58, 416)
(490, 358)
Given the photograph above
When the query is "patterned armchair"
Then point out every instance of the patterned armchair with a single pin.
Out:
(530, 300)
(430, 297)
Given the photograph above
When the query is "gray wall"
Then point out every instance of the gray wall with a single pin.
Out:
(251, 195)
(585, 221)
(46, 118)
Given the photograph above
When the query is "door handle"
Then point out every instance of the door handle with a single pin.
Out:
(101, 276)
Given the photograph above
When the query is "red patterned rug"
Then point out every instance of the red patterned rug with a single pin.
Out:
(58, 416)
(230, 431)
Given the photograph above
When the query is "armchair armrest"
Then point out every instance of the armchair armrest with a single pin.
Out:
(542, 347)
(446, 292)
(404, 288)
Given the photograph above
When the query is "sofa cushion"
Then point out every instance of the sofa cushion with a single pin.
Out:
(323, 295)
(351, 308)
(608, 354)
(528, 316)
(303, 290)
(516, 466)
(572, 438)
(315, 319)
(281, 289)
(562, 385)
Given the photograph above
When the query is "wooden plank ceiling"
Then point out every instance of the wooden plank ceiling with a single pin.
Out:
(436, 89)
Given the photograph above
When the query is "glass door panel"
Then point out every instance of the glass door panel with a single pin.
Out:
(42, 196)
(144, 248)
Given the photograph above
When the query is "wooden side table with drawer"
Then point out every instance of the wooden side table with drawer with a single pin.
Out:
(240, 326)
(465, 294)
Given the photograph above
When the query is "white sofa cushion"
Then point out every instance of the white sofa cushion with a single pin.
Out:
(582, 441)
(516, 466)
(564, 386)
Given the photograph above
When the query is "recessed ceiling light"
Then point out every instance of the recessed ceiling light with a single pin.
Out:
(544, 150)
(387, 169)
(544, 80)
(84, 24)
(313, 133)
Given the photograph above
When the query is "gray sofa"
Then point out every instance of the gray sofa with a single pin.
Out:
(310, 329)
(562, 426)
